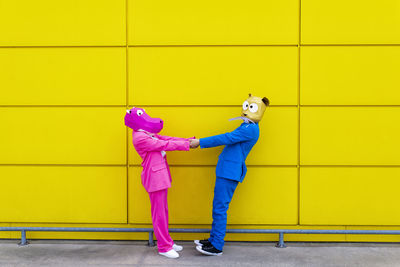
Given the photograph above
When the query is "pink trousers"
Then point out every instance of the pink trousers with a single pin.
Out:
(159, 215)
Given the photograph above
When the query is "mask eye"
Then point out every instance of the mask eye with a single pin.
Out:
(139, 113)
(128, 111)
(245, 105)
(253, 108)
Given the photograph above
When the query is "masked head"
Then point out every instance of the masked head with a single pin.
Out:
(254, 107)
(137, 119)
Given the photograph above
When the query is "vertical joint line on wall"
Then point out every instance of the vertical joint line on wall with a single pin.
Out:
(299, 23)
(127, 106)
(298, 117)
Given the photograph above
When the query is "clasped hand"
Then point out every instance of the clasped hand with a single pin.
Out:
(194, 143)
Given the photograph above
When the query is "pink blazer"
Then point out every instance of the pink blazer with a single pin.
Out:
(156, 175)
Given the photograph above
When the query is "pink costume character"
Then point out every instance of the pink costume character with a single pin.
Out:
(156, 177)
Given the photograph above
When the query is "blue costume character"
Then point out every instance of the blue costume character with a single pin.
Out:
(231, 169)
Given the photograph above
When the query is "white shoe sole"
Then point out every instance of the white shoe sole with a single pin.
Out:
(197, 242)
(165, 254)
(199, 249)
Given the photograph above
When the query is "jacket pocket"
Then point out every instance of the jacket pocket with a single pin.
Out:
(158, 167)
(158, 178)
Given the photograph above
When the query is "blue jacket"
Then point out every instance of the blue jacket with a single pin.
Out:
(231, 164)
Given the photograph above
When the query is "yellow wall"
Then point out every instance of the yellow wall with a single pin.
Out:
(328, 155)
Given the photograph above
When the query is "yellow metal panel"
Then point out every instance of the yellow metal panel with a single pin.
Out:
(277, 144)
(212, 75)
(183, 22)
(349, 196)
(261, 200)
(258, 200)
(350, 22)
(350, 135)
(32, 135)
(63, 194)
(350, 75)
(62, 76)
(63, 22)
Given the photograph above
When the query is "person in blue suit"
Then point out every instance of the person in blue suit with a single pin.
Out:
(231, 168)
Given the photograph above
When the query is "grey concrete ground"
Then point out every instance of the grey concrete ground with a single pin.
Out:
(136, 253)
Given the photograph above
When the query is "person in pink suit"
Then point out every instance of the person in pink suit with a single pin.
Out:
(156, 177)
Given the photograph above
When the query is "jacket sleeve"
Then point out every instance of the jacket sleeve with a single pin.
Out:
(146, 143)
(241, 134)
(168, 138)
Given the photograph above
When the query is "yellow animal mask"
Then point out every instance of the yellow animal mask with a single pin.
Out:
(253, 108)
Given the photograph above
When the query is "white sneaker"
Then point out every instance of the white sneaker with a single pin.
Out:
(172, 254)
(177, 247)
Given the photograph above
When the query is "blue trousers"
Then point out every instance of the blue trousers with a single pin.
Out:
(223, 193)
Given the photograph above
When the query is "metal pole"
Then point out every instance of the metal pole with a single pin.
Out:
(151, 240)
(23, 238)
(281, 243)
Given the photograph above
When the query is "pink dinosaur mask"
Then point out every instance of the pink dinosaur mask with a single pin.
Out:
(137, 119)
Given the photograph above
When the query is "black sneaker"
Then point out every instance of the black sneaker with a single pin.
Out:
(203, 242)
(209, 250)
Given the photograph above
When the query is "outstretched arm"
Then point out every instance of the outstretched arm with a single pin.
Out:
(168, 138)
(146, 143)
(241, 134)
